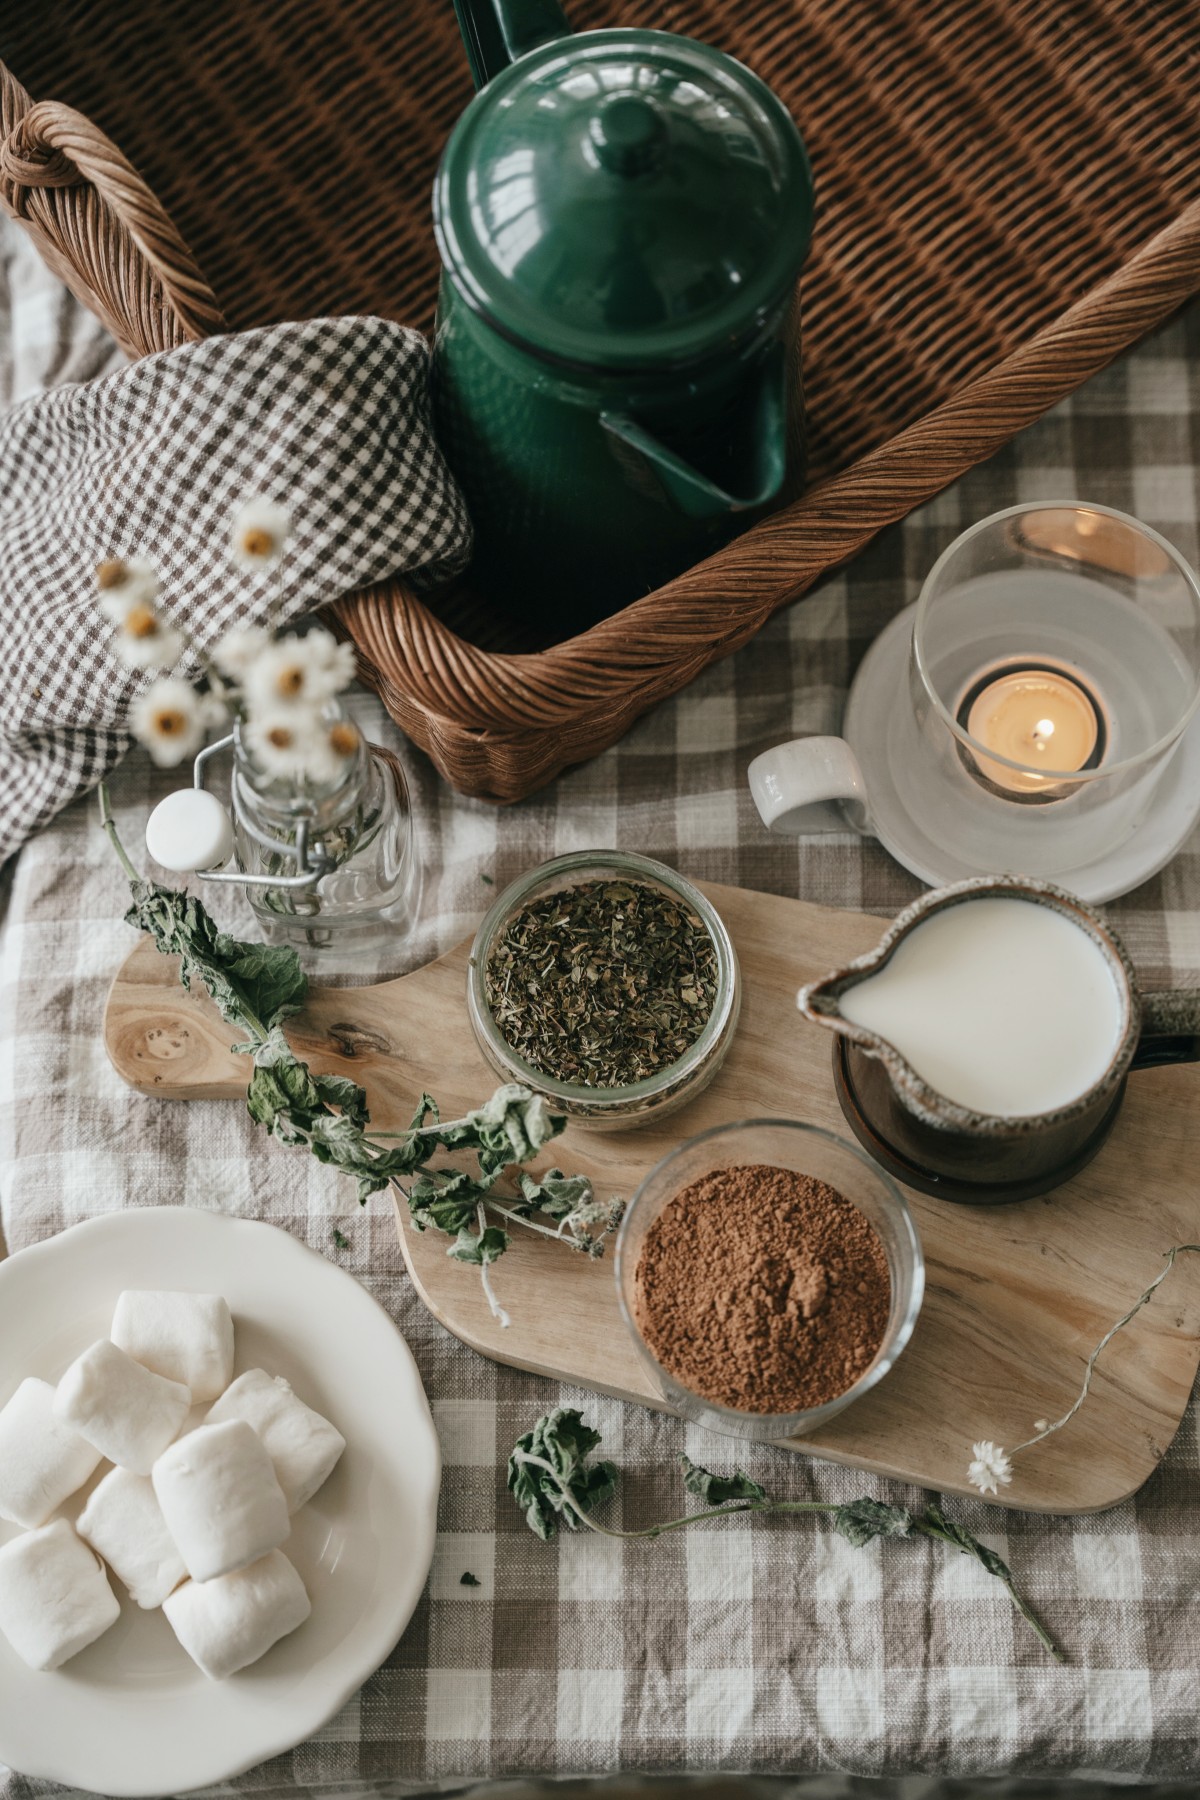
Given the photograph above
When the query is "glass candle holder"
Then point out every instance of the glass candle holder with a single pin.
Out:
(1021, 716)
(1055, 666)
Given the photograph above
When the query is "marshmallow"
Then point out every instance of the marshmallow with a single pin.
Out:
(220, 1499)
(301, 1444)
(41, 1460)
(123, 1522)
(129, 1414)
(229, 1622)
(54, 1599)
(185, 1337)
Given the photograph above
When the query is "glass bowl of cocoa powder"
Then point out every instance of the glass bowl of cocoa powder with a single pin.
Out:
(770, 1275)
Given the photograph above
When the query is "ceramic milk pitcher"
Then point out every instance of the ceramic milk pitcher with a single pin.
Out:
(1088, 1011)
(622, 216)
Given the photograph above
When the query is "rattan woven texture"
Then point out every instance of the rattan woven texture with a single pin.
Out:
(1009, 195)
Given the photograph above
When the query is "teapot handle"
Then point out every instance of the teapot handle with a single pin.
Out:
(497, 32)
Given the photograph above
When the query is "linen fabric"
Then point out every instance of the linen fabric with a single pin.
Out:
(768, 1644)
(327, 417)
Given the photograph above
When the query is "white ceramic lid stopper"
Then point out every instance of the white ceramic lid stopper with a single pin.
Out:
(189, 830)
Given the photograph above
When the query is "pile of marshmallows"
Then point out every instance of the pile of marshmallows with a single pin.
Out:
(193, 1525)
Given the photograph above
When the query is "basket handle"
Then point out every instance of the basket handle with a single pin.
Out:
(70, 183)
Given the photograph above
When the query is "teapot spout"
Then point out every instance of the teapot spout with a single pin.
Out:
(497, 32)
(689, 489)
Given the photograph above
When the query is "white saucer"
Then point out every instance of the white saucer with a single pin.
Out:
(132, 1714)
(882, 674)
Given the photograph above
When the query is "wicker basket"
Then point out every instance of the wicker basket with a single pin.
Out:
(1009, 196)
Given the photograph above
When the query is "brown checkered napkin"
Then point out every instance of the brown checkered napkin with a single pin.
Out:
(328, 417)
(768, 1645)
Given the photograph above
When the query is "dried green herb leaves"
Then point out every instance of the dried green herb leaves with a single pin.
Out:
(256, 987)
(550, 1477)
(602, 984)
(553, 1482)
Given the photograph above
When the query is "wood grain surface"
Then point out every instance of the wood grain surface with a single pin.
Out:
(1016, 1297)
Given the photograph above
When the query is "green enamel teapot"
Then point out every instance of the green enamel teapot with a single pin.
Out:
(622, 216)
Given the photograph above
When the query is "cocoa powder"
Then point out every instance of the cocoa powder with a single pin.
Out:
(762, 1289)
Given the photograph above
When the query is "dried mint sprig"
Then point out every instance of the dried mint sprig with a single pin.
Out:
(553, 1482)
(257, 986)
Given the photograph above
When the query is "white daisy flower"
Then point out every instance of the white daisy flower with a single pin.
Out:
(282, 740)
(144, 640)
(171, 719)
(259, 531)
(123, 583)
(294, 744)
(338, 749)
(331, 752)
(239, 648)
(298, 671)
(992, 1468)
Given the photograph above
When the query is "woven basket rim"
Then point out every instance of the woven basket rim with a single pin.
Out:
(500, 723)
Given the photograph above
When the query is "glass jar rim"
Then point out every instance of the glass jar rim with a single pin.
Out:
(628, 862)
(925, 601)
(812, 1415)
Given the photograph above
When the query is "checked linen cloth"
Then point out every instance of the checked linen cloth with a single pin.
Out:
(767, 1645)
(153, 460)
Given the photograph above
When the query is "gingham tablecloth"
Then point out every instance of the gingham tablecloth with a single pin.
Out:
(765, 1645)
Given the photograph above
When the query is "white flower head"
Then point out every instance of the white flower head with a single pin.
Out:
(124, 583)
(992, 1468)
(331, 752)
(339, 746)
(295, 743)
(235, 652)
(258, 533)
(170, 718)
(1041, 1426)
(305, 672)
(282, 740)
(144, 640)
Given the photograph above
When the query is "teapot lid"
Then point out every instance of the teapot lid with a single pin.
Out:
(624, 198)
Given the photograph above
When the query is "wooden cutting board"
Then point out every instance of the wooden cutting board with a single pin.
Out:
(1016, 1298)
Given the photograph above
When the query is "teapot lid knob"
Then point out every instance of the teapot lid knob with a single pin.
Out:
(629, 134)
(623, 199)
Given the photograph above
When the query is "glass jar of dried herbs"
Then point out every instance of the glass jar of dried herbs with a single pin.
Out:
(606, 982)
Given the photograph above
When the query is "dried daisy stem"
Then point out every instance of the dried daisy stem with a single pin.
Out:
(1047, 1430)
(992, 1466)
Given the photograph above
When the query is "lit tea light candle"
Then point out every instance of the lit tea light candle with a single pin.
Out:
(1034, 716)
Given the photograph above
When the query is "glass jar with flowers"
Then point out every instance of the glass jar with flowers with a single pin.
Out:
(321, 830)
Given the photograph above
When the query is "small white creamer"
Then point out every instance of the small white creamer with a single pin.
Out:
(1004, 1006)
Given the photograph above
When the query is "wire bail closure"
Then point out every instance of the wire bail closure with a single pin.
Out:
(311, 860)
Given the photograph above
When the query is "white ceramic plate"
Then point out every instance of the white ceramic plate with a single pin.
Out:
(132, 1714)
